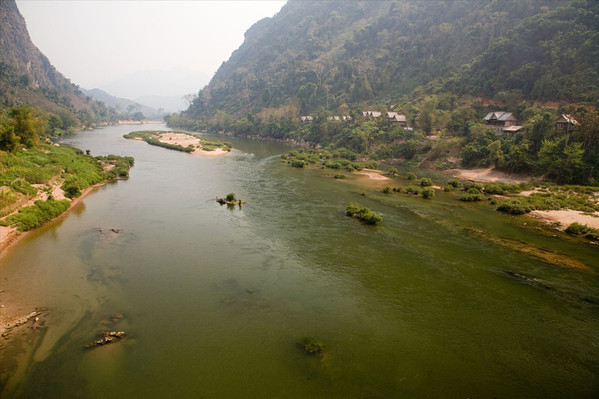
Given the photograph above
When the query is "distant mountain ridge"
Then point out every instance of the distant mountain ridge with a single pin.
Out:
(121, 104)
(324, 54)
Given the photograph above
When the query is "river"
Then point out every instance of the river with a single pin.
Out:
(214, 299)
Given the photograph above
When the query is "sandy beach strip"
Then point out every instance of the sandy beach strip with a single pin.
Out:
(186, 140)
(566, 217)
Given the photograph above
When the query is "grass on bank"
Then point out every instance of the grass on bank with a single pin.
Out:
(30, 173)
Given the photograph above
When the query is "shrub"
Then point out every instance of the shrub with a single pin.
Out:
(514, 206)
(428, 192)
(362, 213)
(231, 197)
(298, 163)
(412, 176)
(577, 229)
(311, 346)
(413, 190)
(34, 216)
(471, 185)
(454, 183)
(426, 182)
(470, 196)
(492, 188)
(387, 190)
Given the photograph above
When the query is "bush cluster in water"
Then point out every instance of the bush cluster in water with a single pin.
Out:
(334, 159)
(577, 229)
(362, 213)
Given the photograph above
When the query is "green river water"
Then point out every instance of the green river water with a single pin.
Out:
(214, 299)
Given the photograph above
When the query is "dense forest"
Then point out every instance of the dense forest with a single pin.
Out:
(442, 64)
(327, 54)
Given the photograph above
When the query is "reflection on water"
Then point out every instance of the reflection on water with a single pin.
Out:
(214, 299)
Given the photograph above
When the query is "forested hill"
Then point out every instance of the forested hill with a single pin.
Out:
(28, 77)
(329, 53)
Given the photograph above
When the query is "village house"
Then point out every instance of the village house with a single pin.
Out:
(503, 122)
(306, 119)
(339, 118)
(372, 114)
(397, 118)
(565, 123)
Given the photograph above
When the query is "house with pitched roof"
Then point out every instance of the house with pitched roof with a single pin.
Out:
(566, 123)
(503, 122)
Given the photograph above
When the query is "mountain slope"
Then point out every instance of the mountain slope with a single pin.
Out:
(326, 54)
(28, 77)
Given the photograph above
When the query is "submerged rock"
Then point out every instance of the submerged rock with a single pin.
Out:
(107, 338)
(311, 345)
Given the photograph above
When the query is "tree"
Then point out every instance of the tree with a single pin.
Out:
(8, 139)
(28, 123)
(562, 161)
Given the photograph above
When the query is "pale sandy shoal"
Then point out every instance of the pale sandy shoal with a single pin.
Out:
(186, 140)
(373, 174)
(566, 218)
(486, 175)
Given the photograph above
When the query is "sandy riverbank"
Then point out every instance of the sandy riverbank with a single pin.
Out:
(561, 218)
(373, 174)
(185, 140)
(564, 218)
(486, 175)
(10, 235)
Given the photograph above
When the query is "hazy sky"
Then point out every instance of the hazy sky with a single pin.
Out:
(96, 42)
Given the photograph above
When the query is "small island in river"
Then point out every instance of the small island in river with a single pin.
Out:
(182, 141)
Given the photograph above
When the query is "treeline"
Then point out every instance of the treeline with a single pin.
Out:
(444, 132)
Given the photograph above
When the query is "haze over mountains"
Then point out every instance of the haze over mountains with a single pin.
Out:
(157, 88)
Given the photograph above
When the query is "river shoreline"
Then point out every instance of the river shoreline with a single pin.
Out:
(10, 319)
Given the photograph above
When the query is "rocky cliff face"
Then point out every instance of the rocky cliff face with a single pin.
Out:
(28, 77)
(19, 52)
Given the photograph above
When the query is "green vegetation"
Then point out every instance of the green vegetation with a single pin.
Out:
(30, 168)
(428, 192)
(553, 197)
(367, 57)
(332, 159)
(329, 56)
(213, 145)
(311, 345)
(577, 229)
(30, 217)
(230, 199)
(362, 213)
(153, 137)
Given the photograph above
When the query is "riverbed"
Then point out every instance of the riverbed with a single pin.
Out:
(213, 299)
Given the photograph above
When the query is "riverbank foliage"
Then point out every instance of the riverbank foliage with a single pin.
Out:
(333, 159)
(577, 229)
(31, 168)
(152, 137)
(31, 217)
(363, 214)
(553, 197)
